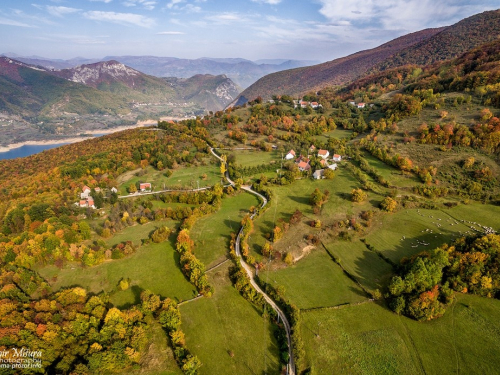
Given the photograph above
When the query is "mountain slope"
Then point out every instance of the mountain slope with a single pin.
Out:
(335, 72)
(31, 91)
(208, 91)
(422, 47)
(451, 42)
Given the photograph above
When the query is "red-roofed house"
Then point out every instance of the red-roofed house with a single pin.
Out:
(337, 157)
(314, 104)
(304, 104)
(83, 203)
(323, 154)
(361, 105)
(144, 186)
(303, 166)
(97, 189)
(85, 192)
(90, 202)
(323, 163)
(290, 155)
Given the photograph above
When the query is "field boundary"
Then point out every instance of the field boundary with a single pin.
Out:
(337, 307)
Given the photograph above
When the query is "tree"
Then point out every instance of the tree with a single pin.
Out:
(358, 195)
(191, 365)
(132, 189)
(223, 162)
(389, 204)
(328, 174)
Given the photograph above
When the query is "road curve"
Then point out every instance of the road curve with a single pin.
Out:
(248, 269)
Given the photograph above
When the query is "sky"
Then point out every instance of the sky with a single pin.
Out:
(318, 30)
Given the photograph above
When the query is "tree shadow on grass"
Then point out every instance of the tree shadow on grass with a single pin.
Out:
(301, 200)
(136, 292)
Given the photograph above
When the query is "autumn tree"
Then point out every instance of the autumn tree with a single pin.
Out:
(358, 195)
(389, 204)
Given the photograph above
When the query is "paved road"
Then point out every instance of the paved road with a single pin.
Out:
(250, 274)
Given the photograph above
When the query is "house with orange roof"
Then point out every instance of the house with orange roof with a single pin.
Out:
(290, 155)
(323, 154)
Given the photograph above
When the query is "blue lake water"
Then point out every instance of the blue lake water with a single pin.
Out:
(27, 150)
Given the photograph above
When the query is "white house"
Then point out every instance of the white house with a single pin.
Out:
(337, 157)
(318, 174)
(333, 166)
(361, 105)
(290, 155)
(303, 166)
(85, 192)
(145, 186)
(323, 154)
(114, 190)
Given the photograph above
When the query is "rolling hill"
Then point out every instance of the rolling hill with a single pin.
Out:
(102, 88)
(422, 47)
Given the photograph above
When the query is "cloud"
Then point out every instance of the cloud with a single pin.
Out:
(60, 11)
(396, 14)
(173, 4)
(270, 2)
(147, 4)
(6, 21)
(121, 18)
(102, 1)
(225, 18)
(170, 33)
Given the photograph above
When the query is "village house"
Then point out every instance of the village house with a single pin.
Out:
(312, 149)
(85, 192)
(315, 105)
(303, 166)
(337, 157)
(333, 166)
(114, 190)
(290, 155)
(303, 104)
(145, 186)
(323, 163)
(318, 174)
(323, 154)
(361, 105)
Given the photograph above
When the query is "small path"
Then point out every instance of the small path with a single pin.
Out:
(190, 300)
(249, 271)
(217, 265)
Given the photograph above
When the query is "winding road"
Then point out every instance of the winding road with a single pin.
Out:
(248, 269)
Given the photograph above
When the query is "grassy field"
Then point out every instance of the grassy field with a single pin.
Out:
(370, 339)
(137, 232)
(224, 324)
(366, 266)
(315, 281)
(190, 177)
(297, 196)
(159, 357)
(253, 158)
(154, 267)
(394, 176)
(211, 234)
(403, 233)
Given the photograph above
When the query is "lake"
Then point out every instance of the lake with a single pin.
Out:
(27, 150)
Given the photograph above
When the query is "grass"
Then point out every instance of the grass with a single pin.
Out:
(211, 234)
(253, 158)
(365, 265)
(316, 281)
(370, 339)
(286, 199)
(154, 267)
(136, 233)
(224, 324)
(184, 176)
(159, 357)
(392, 175)
(422, 225)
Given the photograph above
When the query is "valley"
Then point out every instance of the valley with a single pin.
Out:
(347, 222)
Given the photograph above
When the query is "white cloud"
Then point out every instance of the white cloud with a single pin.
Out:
(60, 11)
(225, 18)
(170, 33)
(270, 2)
(9, 22)
(121, 18)
(173, 3)
(147, 4)
(396, 14)
(102, 1)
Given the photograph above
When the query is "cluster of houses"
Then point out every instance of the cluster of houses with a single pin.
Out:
(360, 105)
(303, 163)
(86, 199)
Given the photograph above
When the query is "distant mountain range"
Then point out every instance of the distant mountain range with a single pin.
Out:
(106, 87)
(241, 71)
(421, 48)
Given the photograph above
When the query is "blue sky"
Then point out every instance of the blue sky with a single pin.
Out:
(253, 29)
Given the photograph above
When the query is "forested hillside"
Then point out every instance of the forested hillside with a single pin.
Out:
(420, 48)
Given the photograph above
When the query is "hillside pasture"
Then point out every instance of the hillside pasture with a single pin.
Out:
(366, 266)
(315, 281)
(227, 333)
(154, 267)
(370, 339)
